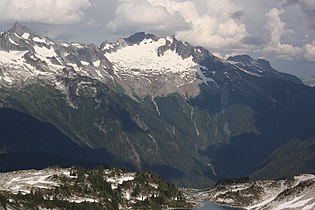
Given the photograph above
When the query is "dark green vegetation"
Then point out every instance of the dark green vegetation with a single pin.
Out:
(242, 120)
(145, 191)
(296, 155)
(112, 129)
(231, 181)
(234, 128)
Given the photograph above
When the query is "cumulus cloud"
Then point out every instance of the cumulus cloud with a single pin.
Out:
(44, 11)
(308, 8)
(310, 51)
(142, 15)
(277, 30)
(210, 23)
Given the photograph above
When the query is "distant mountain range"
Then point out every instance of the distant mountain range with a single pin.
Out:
(152, 102)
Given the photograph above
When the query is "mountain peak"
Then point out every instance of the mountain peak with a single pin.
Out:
(18, 25)
(138, 37)
(20, 29)
(241, 58)
(264, 62)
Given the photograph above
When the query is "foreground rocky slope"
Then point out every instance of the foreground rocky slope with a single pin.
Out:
(151, 102)
(77, 188)
(294, 193)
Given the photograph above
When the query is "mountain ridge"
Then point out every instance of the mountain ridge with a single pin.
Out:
(156, 103)
(44, 54)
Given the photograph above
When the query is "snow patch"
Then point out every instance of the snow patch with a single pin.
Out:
(67, 174)
(233, 63)
(74, 65)
(98, 72)
(81, 200)
(120, 179)
(156, 107)
(76, 45)
(248, 72)
(13, 42)
(170, 39)
(309, 207)
(293, 203)
(96, 63)
(45, 52)
(304, 177)
(26, 36)
(39, 40)
(7, 80)
(212, 169)
(262, 203)
(152, 138)
(127, 196)
(24, 181)
(107, 47)
(194, 122)
(202, 76)
(12, 57)
(85, 63)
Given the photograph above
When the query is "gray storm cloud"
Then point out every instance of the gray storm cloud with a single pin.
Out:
(210, 23)
(44, 11)
(308, 8)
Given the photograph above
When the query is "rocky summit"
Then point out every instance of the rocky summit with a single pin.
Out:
(148, 102)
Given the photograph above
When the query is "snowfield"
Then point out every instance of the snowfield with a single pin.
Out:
(25, 181)
(119, 180)
(144, 57)
(144, 63)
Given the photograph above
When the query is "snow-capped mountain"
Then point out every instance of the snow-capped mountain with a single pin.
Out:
(151, 102)
(148, 65)
(157, 66)
(27, 57)
(143, 64)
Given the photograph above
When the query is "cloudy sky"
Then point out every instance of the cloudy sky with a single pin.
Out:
(282, 31)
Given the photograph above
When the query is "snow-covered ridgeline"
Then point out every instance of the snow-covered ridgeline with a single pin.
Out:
(295, 193)
(25, 181)
(143, 66)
